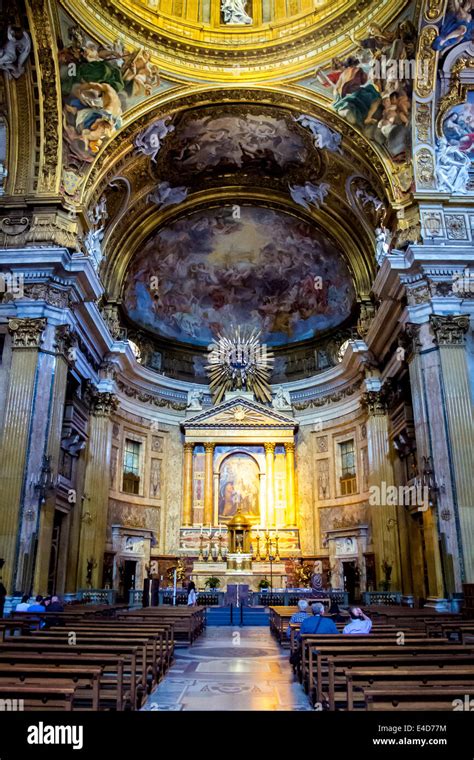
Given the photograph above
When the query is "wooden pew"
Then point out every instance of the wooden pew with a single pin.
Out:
(423, 698)
(36, 697)
(85, 679)
(334, 675)
(367, 679)
(114, 692)
(81, 652)
(320, 653)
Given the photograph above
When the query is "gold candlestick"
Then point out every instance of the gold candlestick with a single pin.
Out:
(201, 555)
(257, 553)
(219, 548)
(277, 553)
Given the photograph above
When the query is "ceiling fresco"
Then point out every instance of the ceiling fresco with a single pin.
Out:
(220, 266)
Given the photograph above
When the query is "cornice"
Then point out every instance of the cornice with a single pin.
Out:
(278, 48)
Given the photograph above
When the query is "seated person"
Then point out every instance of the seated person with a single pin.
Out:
(37, 605)
(55, 605)
(24, 604)
(335, 613)
(317, 623)
(299, 616)
(360, 623)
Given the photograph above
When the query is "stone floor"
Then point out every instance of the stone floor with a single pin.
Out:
(230, 669)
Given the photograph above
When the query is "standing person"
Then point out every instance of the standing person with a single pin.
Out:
(360, 623)
(192, 595)
(3, 594)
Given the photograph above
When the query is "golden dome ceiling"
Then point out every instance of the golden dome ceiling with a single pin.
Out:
(188, 39)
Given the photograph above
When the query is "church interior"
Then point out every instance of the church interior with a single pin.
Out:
(237, 351)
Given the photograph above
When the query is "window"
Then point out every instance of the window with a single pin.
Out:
(348, 478)
(131, 467)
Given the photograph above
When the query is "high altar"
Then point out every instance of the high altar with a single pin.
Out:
(239, 507)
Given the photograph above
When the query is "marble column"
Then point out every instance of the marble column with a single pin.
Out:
(269, 467)
(384, 516)
(290, 485)
(450, 337)
(188, 449)
(208, 484)
(26, 335)
(96, 487)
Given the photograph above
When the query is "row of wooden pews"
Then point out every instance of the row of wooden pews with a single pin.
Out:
(400, 665)
(90, 658)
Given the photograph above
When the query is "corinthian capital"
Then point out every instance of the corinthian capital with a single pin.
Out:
(450, 330)
(101, 403)
(376, 402)
(26, 333)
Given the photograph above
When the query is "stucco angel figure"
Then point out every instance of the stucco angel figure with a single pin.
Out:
(308, 194)
(165, 195)
(194, 400)
(93, 245)
(14, 53)
(382, 244)
(234, 12)
(324, 136)
(282, 400)
(150, 141)
(452, 168)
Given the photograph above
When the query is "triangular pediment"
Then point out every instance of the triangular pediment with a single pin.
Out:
(240, 413)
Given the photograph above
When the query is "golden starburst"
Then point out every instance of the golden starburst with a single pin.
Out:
(239, 361)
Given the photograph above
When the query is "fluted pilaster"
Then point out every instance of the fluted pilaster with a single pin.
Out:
(96, 487)
(188, 450)
(208, 483)
(270, 469)
(26, 337)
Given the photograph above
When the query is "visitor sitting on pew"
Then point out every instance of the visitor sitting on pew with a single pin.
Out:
(55, 605)
(318, 623)
(38, 605)
(299, 616)
(24, 605)
(335, 613)
(360, 623)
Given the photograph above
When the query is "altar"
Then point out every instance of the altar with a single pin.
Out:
(239, 507)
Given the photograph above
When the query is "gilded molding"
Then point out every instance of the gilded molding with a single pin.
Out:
(26, 333)
(450, 330)
(43, 35)
(434, 9)
(314, 403)
(150, 398)
(426, 58)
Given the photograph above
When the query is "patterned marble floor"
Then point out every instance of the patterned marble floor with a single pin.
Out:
(230, 669)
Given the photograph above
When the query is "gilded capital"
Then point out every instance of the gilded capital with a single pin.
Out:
(376, 402)
(101, 403)
(188, 448)
(290, 447)
(209, 448)
(26, 333)
(269, 448)
(450, 330)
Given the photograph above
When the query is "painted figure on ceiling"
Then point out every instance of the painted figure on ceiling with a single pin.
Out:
(458, 24)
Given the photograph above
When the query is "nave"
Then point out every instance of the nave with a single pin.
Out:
(230, 668)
